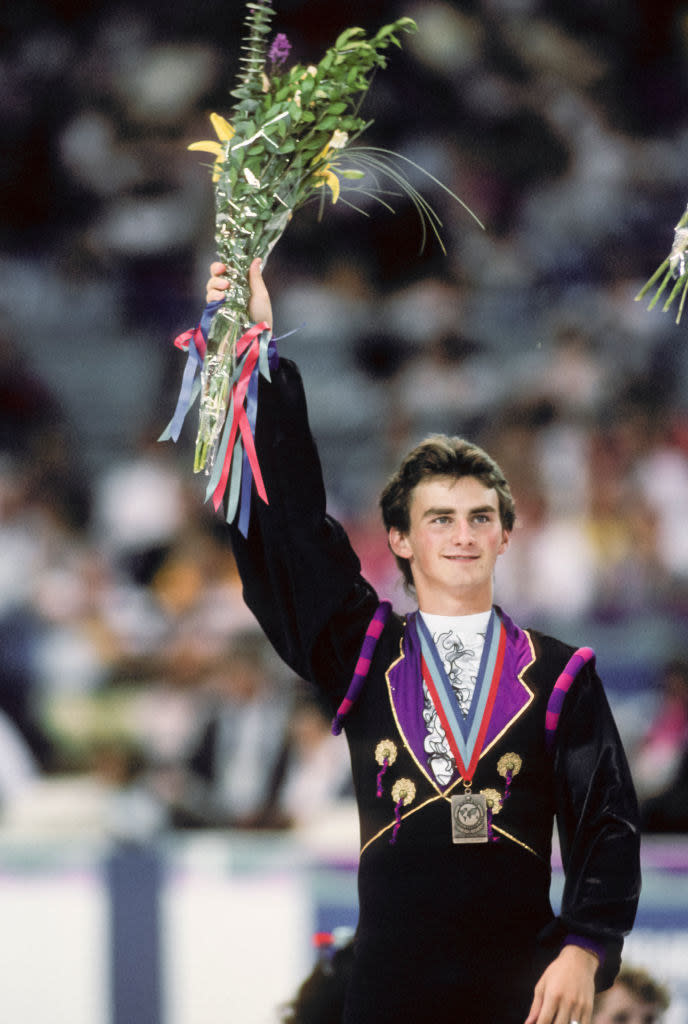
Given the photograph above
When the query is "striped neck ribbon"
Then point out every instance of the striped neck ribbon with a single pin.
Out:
(464, 735)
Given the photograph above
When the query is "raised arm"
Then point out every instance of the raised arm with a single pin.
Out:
(300, 576)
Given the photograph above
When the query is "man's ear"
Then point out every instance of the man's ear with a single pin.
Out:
(506, 537)
(398, 543)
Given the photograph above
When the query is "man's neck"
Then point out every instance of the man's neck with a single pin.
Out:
(454, 605)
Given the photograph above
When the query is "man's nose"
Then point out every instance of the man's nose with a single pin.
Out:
(463, 532)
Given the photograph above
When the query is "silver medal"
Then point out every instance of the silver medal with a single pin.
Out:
(469, 818)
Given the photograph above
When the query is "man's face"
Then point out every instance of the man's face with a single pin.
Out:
(619, 1006)
(454, 539)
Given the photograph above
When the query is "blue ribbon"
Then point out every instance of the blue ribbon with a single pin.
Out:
(191, 379)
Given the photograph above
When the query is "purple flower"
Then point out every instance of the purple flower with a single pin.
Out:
(279, 51)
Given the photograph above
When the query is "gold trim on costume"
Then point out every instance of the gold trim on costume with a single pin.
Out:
(401, 732)
(531, 697)
(431, 779)
(518, 842)
(414, 810)
(445, 794)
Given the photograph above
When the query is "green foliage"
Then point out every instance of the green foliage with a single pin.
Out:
(292, 130)
(672, 272)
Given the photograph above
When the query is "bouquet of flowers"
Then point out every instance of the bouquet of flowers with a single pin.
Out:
(674, 268)
(289, 141)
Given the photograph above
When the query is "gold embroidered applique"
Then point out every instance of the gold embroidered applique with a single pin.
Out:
(404, 792)
(509, 765)
(385, 755)
(386, 751)
(493, 799)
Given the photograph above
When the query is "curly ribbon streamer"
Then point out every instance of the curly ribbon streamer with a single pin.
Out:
(403, 794)
(194, 342)
(385, 766)
(490, 834)
(494, 803)
(237, 460)
(397, 824)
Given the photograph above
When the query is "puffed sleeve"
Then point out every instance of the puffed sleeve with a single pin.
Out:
(598, 826)
(300, 575)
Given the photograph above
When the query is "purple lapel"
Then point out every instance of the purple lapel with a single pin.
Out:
(406, 689)
(513, 696)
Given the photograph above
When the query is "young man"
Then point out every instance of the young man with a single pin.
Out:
(467, 737)
(634, 998)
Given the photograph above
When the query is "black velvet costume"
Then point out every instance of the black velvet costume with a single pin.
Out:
(447, 933)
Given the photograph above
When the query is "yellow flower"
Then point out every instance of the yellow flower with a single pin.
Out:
(329, 178)
(224, 132)
(337, 140)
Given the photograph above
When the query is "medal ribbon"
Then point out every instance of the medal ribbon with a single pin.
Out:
(465, 736)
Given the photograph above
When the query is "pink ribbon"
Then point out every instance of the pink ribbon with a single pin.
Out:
(249, 343)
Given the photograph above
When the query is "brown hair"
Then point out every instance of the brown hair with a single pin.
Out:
(641, 985)
(440, 455)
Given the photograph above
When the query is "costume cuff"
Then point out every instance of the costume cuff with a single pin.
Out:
(596, 948)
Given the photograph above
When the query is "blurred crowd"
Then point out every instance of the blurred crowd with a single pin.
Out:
(130, 671)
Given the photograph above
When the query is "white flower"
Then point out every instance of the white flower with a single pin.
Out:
(339, 139)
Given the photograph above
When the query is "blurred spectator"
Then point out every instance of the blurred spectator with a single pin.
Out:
(139, 510)
(634, 998)
(658, 757)
(317, 772)
(660, 764)
(551, 565)
(18, 766)
(233, 771)
(28, 408)
(131, 811)
(24, 547)
(450, 386)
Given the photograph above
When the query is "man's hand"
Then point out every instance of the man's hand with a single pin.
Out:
(565, 992)
(259, 307)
